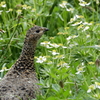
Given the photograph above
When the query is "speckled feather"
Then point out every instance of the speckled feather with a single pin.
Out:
(20, 83)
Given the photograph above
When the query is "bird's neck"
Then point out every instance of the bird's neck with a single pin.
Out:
(25, 63)
(29, 49)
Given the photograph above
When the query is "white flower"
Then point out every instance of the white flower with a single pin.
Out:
(72, 19)
(33, 10)
(86, 23)
(86, 28)
(97, 2)
(74, 44)
(79, 70)
(68, 38)
(50, 62)
(88, 36)
(4, 69)
(97, 45)
(24, 6)
(64, 47)
(55, 45)
(63, 64)
(41, 59)
(91, 87)
(9, 10)
(63, 5)
(19, 12)
(74, 36)
(4, 5)
(77, 23)
(59, 56)
(80, 27)
(28, 7)
(46, 44)
(97, 85)
(70, 9)
(84, 3)
(79, 16)
(75, 18)
(71, 37)
(54, 52)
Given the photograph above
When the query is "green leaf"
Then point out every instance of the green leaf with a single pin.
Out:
(52, 98)
(56, 87)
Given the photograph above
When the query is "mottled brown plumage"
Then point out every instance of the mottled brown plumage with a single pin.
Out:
(20, 83)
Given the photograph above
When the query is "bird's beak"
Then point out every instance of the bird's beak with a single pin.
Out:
(46, 29)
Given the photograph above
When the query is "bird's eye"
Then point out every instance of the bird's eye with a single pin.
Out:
(37, 31)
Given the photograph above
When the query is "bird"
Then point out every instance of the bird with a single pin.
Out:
(21, 82)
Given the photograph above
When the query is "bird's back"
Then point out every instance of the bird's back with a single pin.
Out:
(16, 87)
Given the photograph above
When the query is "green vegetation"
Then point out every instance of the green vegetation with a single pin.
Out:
(66, 54)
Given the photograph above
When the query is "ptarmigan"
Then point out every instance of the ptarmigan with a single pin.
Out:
(20, 83)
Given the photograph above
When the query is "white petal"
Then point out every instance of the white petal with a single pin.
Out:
(89, 90)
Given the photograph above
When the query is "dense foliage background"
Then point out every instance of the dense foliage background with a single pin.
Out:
(67, 57)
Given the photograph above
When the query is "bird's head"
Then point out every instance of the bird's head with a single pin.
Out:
(36, 32)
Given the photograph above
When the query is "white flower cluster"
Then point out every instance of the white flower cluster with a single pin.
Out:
(67, 6)
(93, 87)
(19, 11)
(78, 20)
(80, 69)
(83, 3)
(51, 45)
